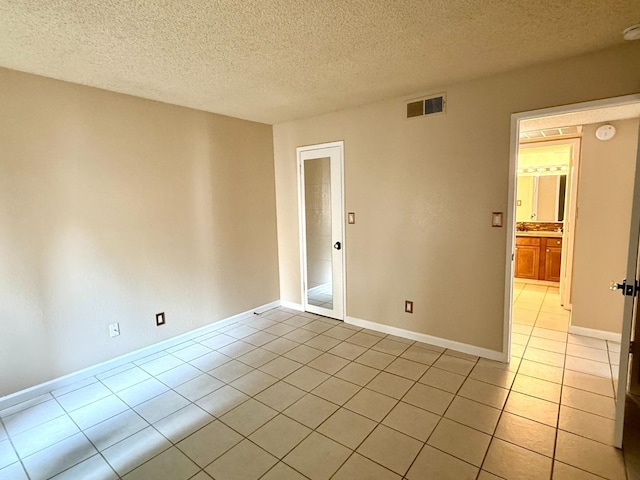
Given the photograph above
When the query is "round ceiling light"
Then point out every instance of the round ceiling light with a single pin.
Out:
(632, 33)
(605, 132)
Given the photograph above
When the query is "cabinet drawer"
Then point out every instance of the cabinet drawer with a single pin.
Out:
(527, 241)
(554, 242)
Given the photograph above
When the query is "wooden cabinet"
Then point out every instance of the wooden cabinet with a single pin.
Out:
(538, 258)
(552, 259)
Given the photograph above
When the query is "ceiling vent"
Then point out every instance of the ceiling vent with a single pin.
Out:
(427, 106)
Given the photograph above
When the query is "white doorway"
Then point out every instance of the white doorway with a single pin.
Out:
(588, 113)
(321, 207)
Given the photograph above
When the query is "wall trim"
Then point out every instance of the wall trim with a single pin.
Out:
(422, 337)
(292, 305)
(593, 333)
(71, 378)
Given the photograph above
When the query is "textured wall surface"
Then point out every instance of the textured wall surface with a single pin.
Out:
(423, 191)
(114, 208)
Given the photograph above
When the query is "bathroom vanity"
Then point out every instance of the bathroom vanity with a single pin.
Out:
(538, 255)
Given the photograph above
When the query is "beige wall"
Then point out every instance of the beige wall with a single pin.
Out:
(605, 197)
(113, 208)
(424, 189)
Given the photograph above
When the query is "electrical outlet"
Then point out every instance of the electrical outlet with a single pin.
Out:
(160, 320)
(114, 329)
(408, 306)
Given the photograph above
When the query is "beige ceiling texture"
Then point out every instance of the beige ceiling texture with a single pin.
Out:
(277, 60)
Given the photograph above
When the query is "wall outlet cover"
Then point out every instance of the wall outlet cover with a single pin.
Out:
(160, 319)
(408, 306)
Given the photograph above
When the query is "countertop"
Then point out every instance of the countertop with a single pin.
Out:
(539, 234)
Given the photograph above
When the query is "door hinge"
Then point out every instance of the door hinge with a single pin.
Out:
(627, 289)
(632, 347)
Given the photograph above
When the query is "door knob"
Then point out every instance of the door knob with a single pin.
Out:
(613, 286)
(337, 246)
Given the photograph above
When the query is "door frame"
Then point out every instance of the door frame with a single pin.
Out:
(516, 118)
(301, 223)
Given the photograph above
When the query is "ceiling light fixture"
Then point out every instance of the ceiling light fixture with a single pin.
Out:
(632, 33)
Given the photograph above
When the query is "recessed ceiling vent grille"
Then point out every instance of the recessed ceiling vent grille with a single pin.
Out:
(426, 106)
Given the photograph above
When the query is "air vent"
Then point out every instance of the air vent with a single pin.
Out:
(426, 106)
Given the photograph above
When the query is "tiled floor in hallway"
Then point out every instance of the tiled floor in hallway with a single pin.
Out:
(288, 396)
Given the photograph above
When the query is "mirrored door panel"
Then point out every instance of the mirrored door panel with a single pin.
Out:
(322, 245)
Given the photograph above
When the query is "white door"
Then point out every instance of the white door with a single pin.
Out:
(629, 377)
(320, 183)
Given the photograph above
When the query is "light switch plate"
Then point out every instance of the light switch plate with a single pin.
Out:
(351, 218)
(114, 329)
(496, 219)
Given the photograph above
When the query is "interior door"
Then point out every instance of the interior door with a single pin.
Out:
(322, 222)
(629, 375)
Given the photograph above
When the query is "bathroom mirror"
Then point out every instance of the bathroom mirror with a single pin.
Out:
(541, 198)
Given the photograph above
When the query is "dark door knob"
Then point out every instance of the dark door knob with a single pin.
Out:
(337, 246)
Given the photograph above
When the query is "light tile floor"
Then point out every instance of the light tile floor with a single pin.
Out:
(292, 396)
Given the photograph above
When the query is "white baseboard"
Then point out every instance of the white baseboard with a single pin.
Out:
(424, 338)
(66, 380)
(593, 333)
(292, 305)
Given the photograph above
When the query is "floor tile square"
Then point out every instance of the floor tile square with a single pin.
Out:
(448, 381)
(363, 339)
(484, 393)
(347, 428)
(280, 435)
(562, 471)
(161, 364)
(454, 364)
(97, 412)
(336, 390)
(133, 451)
(347, 350)
(280, 367)
(590, 383)
(460, 441)
(407, 368)
(536, 387)
(38, 438)
(391, 347)
(328, 363)
(432, 399)
(280, 395)
(339, 332)
(191, 352)
(208, 443)
(257, 357)
(169, 464)
(358, 467)
(473, 414)
(412, 421)
(94, 467)
(526, 433)
(253, 382)
(311, 410)
(86, 395)
(210, 361)
(179, 375)
(391, 385)
(532, 408)
(7, 454)
(358, 374)
(248, 417)
(230, 371)
(511, 461)
(198, 387)
(282, 471)
(161, 406)
(116, 428)
(495, 376)
(317, 457)
(587, 425)
(222, 400)
(183, 423)
(300, 335)
(372, 358)
(32, 416)
(371, 404)
(306, 378)
(589, 402)
(15, 472)
(280, 345)
(421, 355)
(548, 373)
(433, 464)
(244, 461)
(390, 448)
(322, 342)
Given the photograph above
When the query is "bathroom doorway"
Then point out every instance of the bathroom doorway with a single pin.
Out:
(576, 325)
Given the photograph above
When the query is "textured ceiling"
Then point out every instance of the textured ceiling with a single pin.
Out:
(277, 60)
